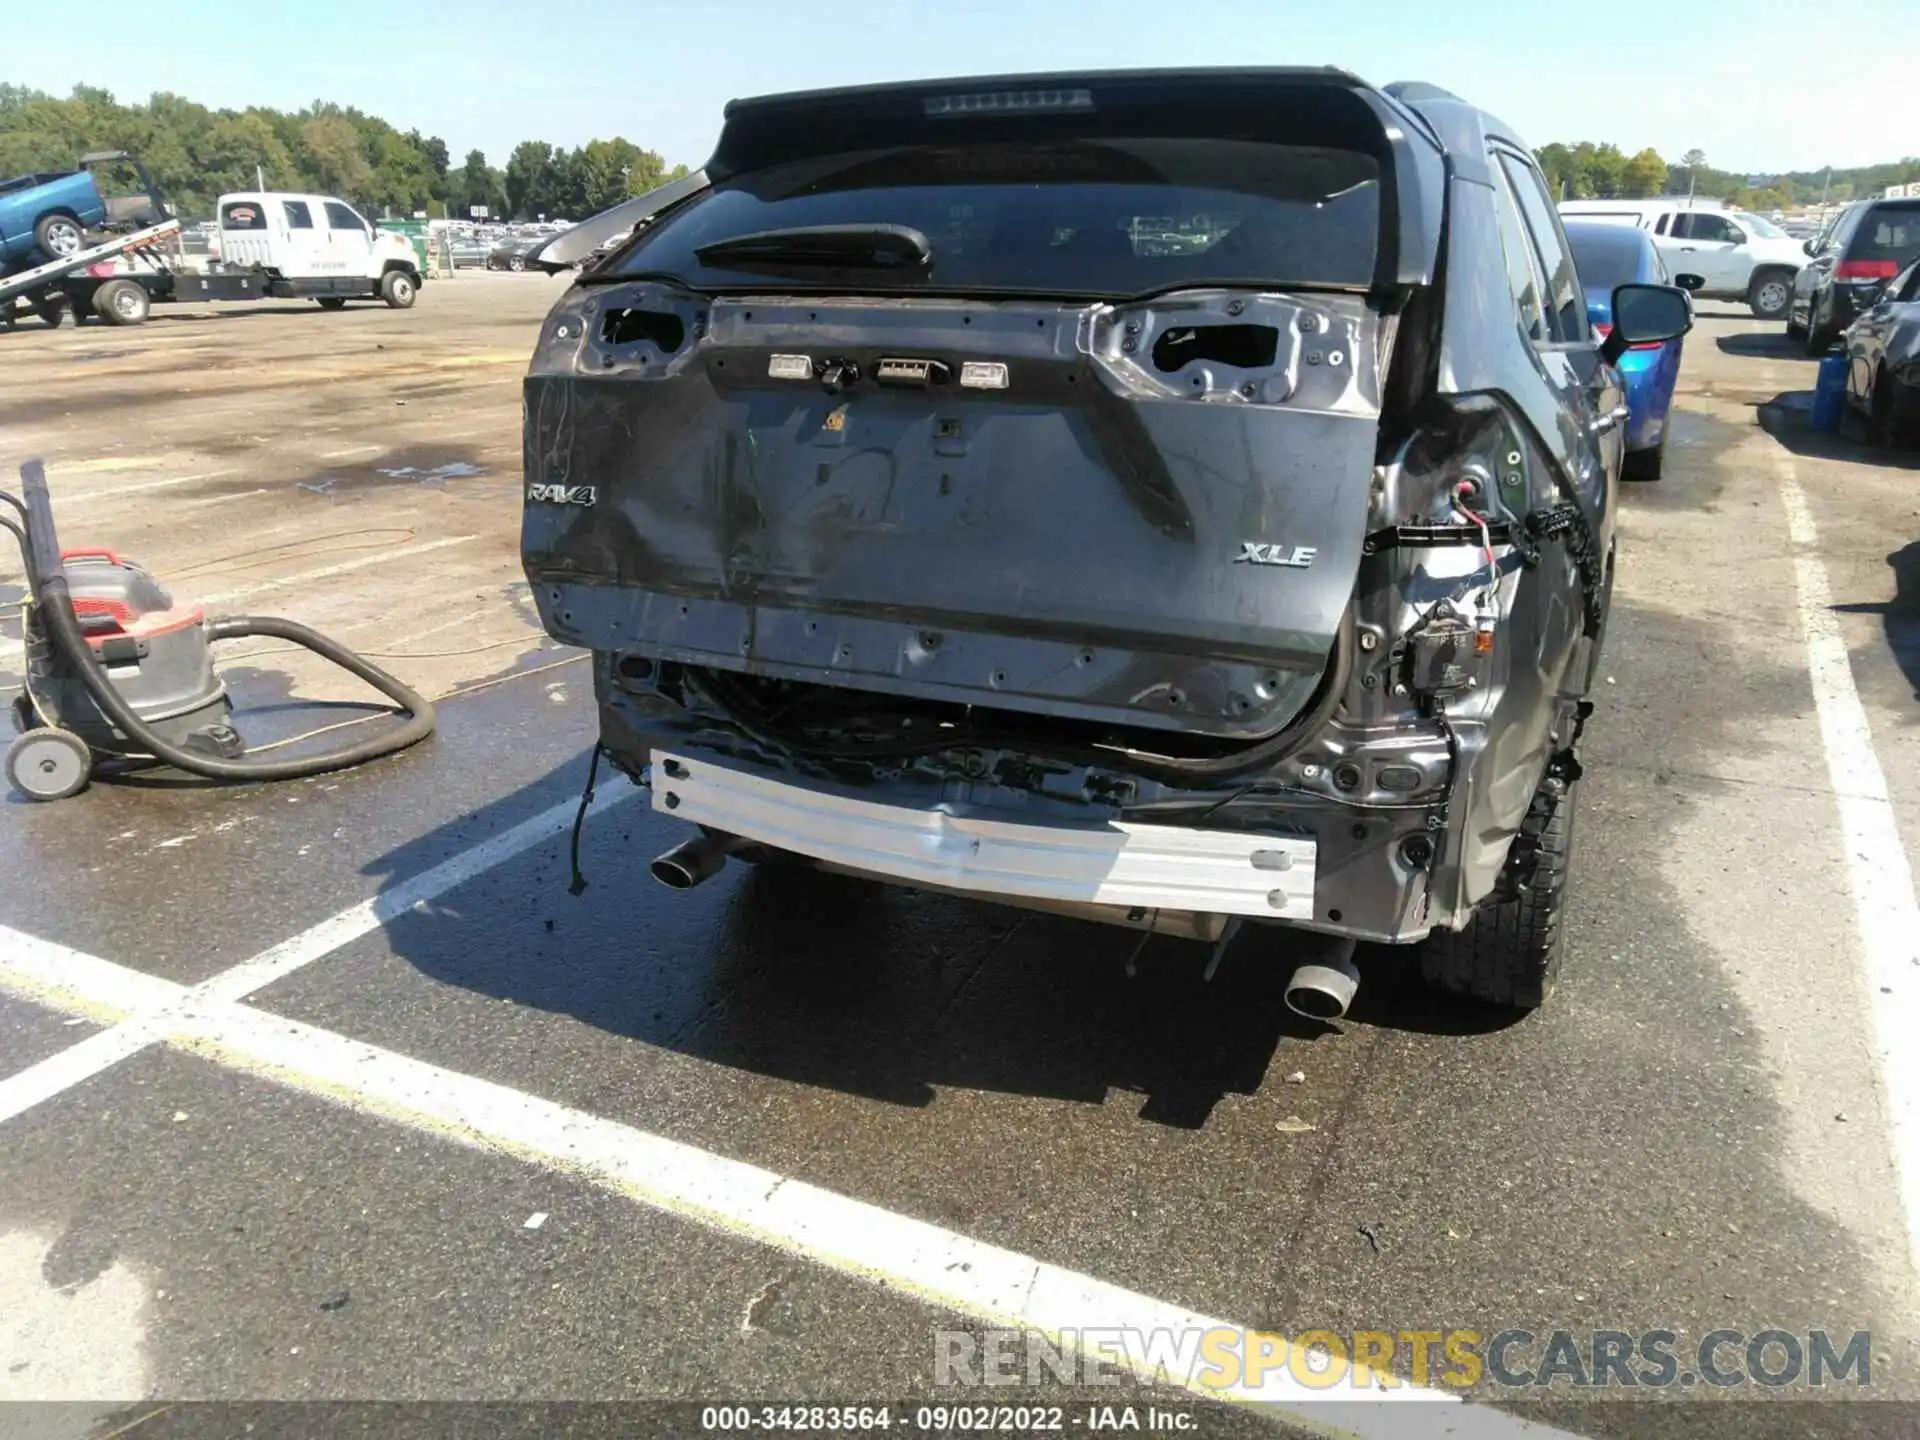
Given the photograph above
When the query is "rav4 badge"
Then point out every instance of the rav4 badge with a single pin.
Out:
(562, 494)
(1255, 552)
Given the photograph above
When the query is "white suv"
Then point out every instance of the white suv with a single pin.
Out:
(1735, 255)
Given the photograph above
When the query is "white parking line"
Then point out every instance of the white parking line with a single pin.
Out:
(13, 652)
(68, 497)
(1878, 873)
(344, 567)
(68, 980)
(987, 1282)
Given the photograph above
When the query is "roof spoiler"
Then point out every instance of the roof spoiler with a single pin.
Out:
(577, 245)
(1303, 104)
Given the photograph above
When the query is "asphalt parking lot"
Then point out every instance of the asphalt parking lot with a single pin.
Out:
(330, 1090)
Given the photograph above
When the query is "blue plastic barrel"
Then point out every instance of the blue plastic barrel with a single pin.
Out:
(1830, 393)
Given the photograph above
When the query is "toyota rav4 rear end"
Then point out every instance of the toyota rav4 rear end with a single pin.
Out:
(1058, 490)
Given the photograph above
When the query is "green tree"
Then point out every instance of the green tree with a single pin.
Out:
(530, 178)
(1645, 174)
(1556, 162)
(476, 183)
(333, 155)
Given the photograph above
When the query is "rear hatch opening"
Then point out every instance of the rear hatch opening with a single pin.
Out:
(1065, 410)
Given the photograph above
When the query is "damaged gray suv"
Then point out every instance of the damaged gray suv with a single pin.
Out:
(1172, 498)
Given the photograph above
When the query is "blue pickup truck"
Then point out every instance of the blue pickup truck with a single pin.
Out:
(48, 213)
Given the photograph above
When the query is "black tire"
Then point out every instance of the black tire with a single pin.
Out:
(517, 262)
(53, 311)
(1770, 294)
(59, 236)
(1509, 954)
(122, 302)
(48, 764)
(399, 289)
(1645, 464)
(1820, 337)
(1895, 412)
(333, 302)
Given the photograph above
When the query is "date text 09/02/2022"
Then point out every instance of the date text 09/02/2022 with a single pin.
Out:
(943, 1418)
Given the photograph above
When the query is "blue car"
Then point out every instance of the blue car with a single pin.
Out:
(1607, 255)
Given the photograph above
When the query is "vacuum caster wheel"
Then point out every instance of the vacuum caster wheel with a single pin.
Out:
(48, 764)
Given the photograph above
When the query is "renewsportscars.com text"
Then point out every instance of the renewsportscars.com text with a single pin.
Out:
(1253, 1362)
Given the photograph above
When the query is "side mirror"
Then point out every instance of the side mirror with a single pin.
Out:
(1646, 315)
(1809, 247)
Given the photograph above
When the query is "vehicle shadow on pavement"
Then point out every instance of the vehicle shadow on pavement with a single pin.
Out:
(1901, 614)
(1787, 417)
(872, 989)
(1766, 345)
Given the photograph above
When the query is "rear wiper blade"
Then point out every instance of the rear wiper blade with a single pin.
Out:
(850, 247)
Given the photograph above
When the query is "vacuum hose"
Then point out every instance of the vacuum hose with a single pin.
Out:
(52, 600)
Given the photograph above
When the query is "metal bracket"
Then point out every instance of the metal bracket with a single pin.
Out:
(1499, 532)
(1220, 946)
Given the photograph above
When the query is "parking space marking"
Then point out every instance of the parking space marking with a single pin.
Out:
(1887, 914)
(343, 567)
(68, 499)
(13, 651)
(937, 1265)
(64, 978)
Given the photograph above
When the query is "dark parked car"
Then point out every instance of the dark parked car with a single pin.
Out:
(1867, 244)
(1883, 355)
(511, 253)
(1607, 257)
(931, 517)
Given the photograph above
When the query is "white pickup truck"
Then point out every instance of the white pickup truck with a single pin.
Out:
(1735, 255)
(315, 247)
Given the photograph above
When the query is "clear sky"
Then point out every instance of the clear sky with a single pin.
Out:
(1757, 84)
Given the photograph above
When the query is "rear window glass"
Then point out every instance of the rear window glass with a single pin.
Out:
(1887, 232)
(1105, 217)
(1605, 257)
(243, 215)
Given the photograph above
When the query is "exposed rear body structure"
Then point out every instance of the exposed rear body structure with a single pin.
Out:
(1171, 497)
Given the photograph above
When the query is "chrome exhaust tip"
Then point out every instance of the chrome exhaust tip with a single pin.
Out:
(694, 861)
(1321, 988)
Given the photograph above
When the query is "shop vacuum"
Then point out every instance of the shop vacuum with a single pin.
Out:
(116, 671)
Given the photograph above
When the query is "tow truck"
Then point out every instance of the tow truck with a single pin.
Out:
(84, 280)
(273, 246)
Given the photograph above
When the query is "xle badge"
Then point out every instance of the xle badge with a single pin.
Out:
(1254, 552)
(562, 494)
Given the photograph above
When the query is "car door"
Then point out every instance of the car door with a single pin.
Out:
(1589, 392)
(301, 239)
(349, 240)
(1708, 245)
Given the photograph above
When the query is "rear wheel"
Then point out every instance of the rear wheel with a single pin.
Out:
(333, 302)
(1509, 954)
(1771, 294)
(517, 262)
(1820, 337)
(1645, 464)
(122, 302)
(1895, 410)
(397, 289)
(58, 236)
(53, 311)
